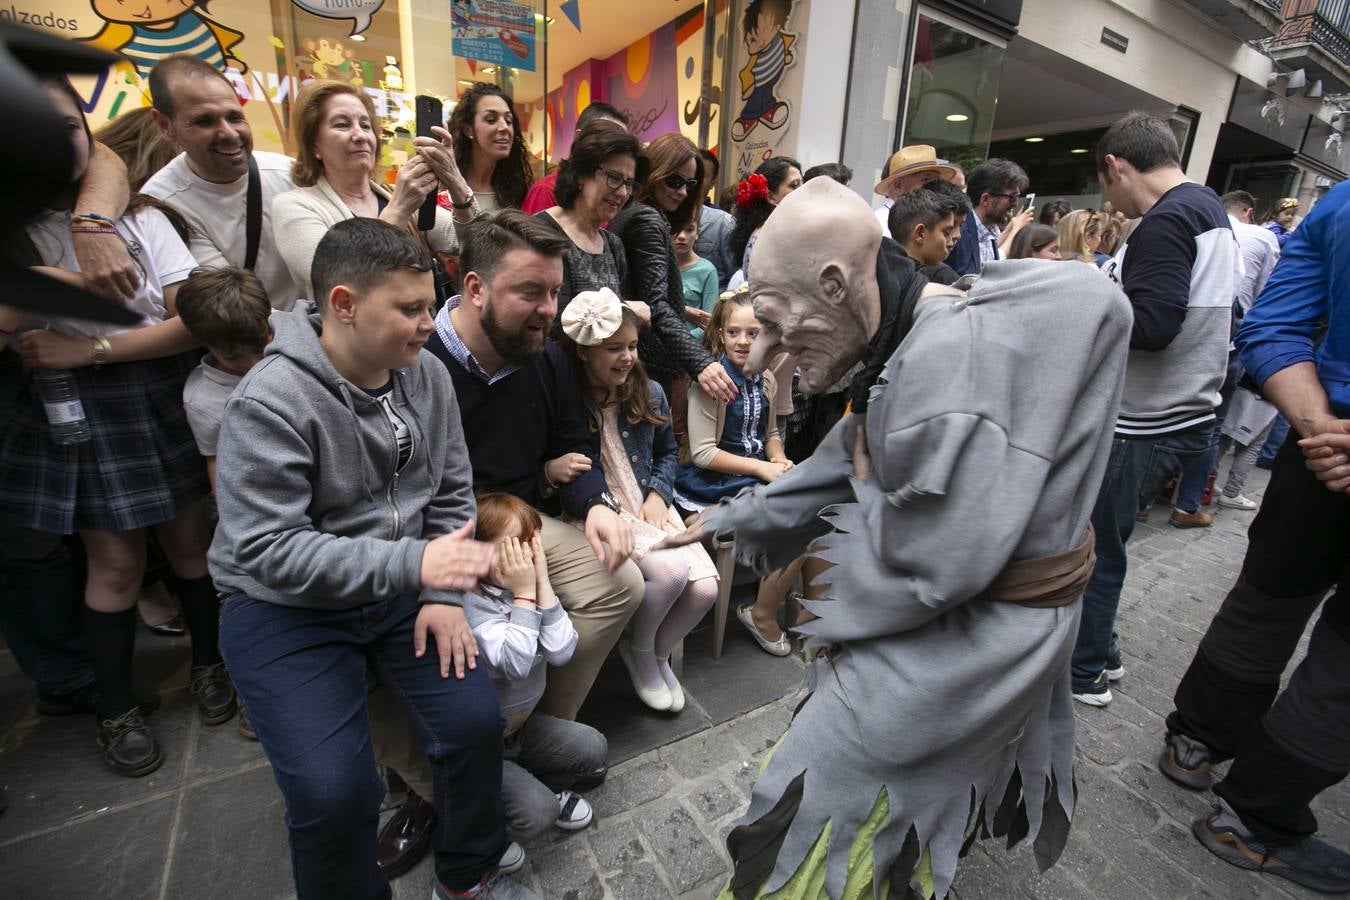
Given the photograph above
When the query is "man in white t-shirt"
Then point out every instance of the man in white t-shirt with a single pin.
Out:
(197, 109)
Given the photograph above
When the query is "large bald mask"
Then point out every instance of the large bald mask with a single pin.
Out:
(813, 282)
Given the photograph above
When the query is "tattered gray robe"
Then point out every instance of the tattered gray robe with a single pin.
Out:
(989, 434)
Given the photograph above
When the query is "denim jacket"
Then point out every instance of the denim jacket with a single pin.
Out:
(651, 449)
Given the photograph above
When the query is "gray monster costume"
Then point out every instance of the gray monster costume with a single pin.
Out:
(939, 713)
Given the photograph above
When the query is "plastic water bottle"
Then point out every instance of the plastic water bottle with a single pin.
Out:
(61, 400)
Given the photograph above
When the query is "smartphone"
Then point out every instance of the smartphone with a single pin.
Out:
(429, 113)
(1031, 202)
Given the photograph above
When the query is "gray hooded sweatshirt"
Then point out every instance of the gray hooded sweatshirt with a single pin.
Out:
(312, 511)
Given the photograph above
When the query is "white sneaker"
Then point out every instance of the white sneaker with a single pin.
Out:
(512, 860)
(1238, 502)
(574, 813)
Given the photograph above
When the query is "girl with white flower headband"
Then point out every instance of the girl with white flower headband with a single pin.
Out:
(630, 417)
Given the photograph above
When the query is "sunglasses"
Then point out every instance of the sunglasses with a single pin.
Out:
(1012, 198)
(675, 182)
(616, 180)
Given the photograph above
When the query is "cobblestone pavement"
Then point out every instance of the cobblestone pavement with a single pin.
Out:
(209, 823)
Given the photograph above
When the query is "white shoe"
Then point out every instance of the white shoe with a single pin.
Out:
(780, 647)
(676, 691)
(658, 698)
(1238, 502)
(574, 813)
(512, 860)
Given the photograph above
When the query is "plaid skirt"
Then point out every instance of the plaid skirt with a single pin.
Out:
(140, 468)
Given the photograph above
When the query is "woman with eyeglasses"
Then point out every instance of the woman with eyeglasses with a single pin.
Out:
(665, 205)
(605, 171)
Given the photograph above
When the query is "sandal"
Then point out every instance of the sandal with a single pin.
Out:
(780, 647)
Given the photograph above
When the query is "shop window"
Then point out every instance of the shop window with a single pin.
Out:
(952, 88)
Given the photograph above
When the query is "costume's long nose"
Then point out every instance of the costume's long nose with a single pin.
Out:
(762, 352)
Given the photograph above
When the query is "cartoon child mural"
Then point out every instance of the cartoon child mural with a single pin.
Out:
(143, 32)
(770, 50)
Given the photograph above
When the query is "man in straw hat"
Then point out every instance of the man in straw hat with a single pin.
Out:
(909, 169)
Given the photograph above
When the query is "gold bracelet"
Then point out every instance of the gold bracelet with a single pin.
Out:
(100, 351)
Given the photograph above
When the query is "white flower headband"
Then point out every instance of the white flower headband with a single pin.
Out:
(592, 317)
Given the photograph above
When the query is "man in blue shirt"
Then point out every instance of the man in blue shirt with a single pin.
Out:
(1288, 748)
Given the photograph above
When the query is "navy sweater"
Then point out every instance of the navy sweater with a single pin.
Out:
(519, 423)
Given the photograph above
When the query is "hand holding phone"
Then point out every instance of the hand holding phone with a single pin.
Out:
(429, 113)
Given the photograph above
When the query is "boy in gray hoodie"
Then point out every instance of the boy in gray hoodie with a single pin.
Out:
(346, 515)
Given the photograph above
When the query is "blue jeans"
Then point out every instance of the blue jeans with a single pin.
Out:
(1136, 468)
(302, 675)
(1278, 432)
(1196, 475)
(41, 610)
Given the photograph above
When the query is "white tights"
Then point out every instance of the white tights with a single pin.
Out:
(670, 609)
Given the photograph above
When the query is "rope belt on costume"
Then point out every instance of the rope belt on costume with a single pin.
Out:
(1047, 581)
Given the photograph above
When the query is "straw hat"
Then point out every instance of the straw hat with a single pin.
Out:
(912, 160)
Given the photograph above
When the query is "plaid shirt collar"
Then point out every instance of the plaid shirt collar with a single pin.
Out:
(460, 352)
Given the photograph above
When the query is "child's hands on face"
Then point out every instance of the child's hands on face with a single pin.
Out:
(515, 567)
(536, 548)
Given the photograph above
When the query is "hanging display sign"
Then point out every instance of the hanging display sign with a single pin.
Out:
(497, 32)
(766, 84)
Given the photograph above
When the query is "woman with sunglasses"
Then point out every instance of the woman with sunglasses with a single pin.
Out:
(666, 204)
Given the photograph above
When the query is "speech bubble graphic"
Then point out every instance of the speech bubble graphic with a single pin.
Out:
(359, 11)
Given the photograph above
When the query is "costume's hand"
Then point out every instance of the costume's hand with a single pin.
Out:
(694, 534)
(653, 510)
(455, 561)
(52, 350)
(415, 180)
(1327, 455)
(716, 383)
(642, 310)
(107, 267)
(454, 638)
(603, 526)
(567, 468)
(862, 462)
(515, 568)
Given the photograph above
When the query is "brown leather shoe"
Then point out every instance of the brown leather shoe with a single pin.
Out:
(1197, 519)
(406, 837)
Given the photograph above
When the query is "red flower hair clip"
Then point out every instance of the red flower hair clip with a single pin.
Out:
(755, 187)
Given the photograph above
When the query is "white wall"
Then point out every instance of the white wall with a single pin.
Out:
(825, 82)
(1173, 54)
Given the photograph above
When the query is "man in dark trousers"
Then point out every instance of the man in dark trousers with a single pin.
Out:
(1286, 749)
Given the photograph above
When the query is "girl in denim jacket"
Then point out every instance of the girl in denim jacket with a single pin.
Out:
(631, 419)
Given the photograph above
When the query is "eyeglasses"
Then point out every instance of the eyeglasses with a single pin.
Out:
(675, 182)
(616, 180)
(1012, 198)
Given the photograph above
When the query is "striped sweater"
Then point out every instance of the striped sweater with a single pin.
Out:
(1179, 269)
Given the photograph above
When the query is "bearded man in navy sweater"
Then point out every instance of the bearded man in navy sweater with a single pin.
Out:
(526, 433)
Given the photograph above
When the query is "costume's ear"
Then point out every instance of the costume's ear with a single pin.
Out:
(833, 284)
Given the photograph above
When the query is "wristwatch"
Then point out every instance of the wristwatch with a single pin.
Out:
(465, 205)
(606, 498)
(98, 353)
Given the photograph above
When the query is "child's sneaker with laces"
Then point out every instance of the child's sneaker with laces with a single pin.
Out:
(496, 886)
(574, 813)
